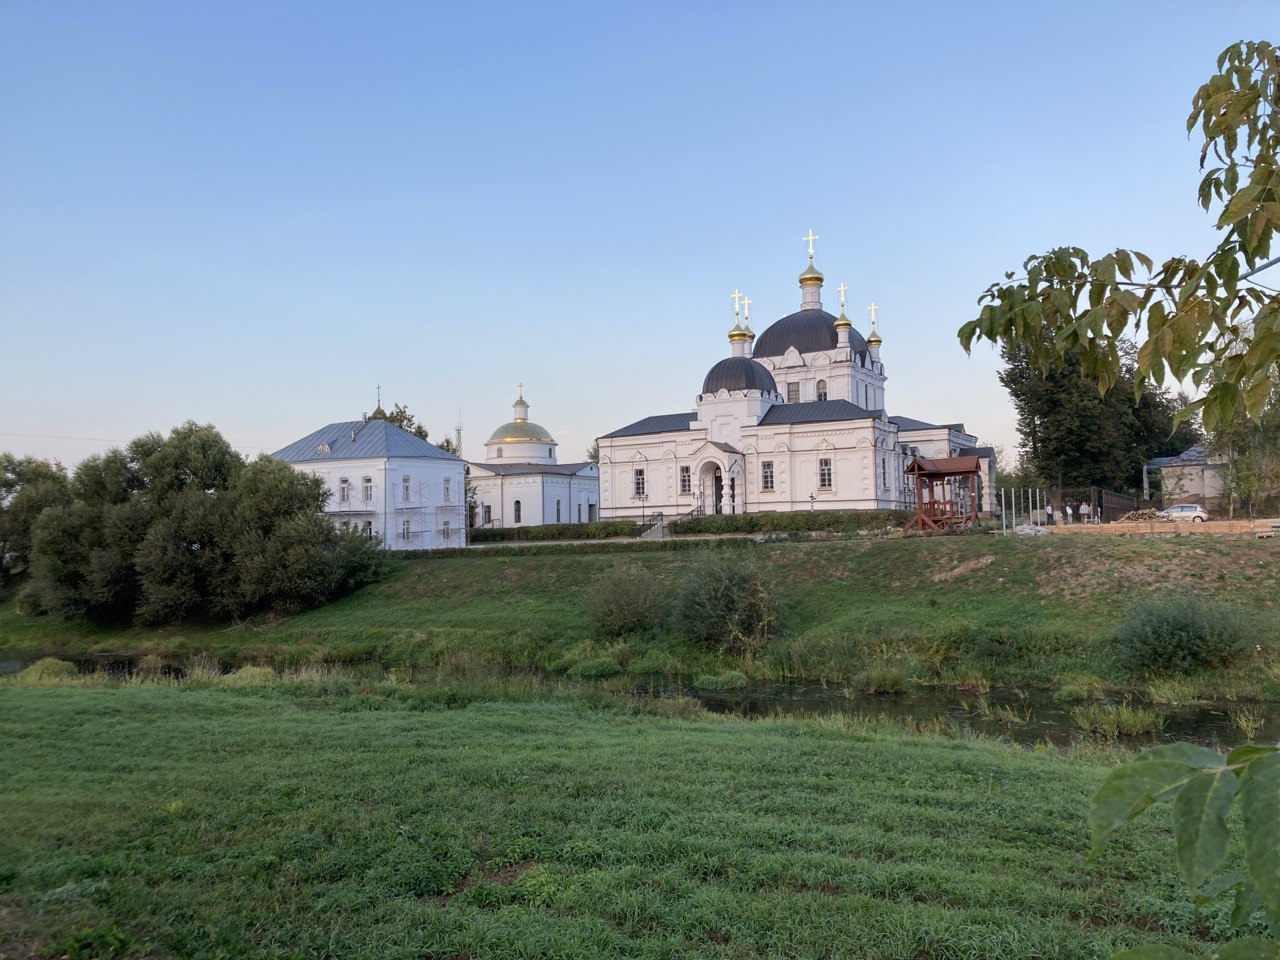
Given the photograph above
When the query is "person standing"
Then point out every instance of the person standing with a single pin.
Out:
(1048, 514)
(1085, 510)
(1069, 514)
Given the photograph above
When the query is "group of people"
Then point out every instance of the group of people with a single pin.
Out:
(1082, 513)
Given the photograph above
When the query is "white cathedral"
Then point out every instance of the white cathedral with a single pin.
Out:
(793, 420)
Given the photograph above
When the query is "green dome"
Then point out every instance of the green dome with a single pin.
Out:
(520, 430)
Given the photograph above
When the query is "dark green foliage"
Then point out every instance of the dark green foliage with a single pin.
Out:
(596, 668)
(27, 487)
(47, 670)
(598, 530)
(834, 521)
(883, 678)
(1180, 634)
(182, 529)
(623, 599)
(725, 601)
(721, 682)
(568, 549)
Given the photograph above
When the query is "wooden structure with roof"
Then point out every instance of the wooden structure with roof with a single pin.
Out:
(946, 492)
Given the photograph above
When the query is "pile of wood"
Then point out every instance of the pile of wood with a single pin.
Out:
(1144, 514)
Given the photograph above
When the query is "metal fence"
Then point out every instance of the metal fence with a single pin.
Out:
(1040, 506)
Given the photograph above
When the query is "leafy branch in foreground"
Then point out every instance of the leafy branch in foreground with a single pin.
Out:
(1202, 786)
(1206, 320)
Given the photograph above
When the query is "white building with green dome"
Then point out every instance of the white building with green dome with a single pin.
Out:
(520, 483)
(795, 420)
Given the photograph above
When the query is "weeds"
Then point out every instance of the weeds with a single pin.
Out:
(1117, 720)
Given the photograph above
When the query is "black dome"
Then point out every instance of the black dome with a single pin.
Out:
(738, 373)
(809, 331)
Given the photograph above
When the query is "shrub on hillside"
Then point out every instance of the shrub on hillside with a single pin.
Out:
(596, 530)
(47, 670)
(725, 600)
(1179, 634)
(832, 521)
(623, 599)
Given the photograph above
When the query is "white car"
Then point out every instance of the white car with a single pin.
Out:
(1194, 512)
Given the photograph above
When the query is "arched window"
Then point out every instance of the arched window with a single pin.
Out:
(499, 453)
(822, 389)
(517, 511)
(549, 453)
(367, 492)
(557, 511)
(344, 490)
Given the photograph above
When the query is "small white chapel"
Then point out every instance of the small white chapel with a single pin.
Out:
(795, 419)
(520, 483)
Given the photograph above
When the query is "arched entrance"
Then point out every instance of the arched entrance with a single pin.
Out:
(711, 487)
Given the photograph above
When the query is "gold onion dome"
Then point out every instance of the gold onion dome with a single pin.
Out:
(740, 332)
(811, 275)
(518, 430)
(843, 322)
(874, 340)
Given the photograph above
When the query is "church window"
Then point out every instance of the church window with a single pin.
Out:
(488, 514)
(404, 531)
(686, 480)
(557, 511)
(344, 490)
(579, 513)
(366, 492)
(447, 490)
(499, 453)
(824, 474)
(445, 530)
(368, 529)
(766, 475)
(549, 453)
(884, 473)
(517, 511)
(404, 484)
(822, 389)
(638, 482)
(793, 393)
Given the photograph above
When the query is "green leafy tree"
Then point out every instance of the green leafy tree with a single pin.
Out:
(402, 418)
(593, 452)
(27, 487)
(1201, 786)
(181, 528)
(1206, 320)
(1251, 449)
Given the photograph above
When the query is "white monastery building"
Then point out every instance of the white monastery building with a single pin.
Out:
(521, 484)
(386, 482)
(793, 420)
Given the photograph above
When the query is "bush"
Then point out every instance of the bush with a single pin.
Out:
(1070, 695)
(719, 682)
(832, 521)
(623, 599)
(725, 601)
(1179, 635)
(48, 670)
(597, 530)
(669, 544)
(597, 668)
(882, 678)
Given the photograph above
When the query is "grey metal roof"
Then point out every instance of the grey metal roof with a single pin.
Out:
(1195, 456)
(373, 440)
(525, 469)
(809, 331)
(739, 373)
(816, 411)
(663, 423)
(906, 423)
(988, 452)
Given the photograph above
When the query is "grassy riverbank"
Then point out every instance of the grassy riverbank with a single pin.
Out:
(956, 610)
(323, 820)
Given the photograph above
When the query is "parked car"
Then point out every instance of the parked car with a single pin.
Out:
(1194, 512)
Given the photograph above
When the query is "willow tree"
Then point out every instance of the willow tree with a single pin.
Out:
(1206, 320)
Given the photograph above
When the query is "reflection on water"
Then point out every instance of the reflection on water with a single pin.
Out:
(1020, 714)
(1038, 718)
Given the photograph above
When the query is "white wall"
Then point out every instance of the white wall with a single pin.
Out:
(537, 493)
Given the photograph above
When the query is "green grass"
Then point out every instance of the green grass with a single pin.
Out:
(318, 820)
(949, 610)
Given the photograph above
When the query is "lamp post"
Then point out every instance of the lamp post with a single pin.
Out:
(813, 499)
(643, 498)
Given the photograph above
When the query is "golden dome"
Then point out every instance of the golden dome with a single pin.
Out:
(740, 333)
(874, 340)
(843, 322)
(811, 275)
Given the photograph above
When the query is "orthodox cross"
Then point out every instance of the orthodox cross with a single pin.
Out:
(379, 389)
(737, 297)
(809, 239)
(871, 308)
(520, 386)
(842, 288)
(746, 308)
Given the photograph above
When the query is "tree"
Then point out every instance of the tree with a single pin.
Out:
(448, 446)
(1074, 436)
(181, 528)
(1204, 320)
(593, 452)
(1251, 449)
(402, 418)
(27, 486)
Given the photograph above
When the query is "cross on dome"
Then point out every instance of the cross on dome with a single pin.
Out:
(809, 239)
(842, 288)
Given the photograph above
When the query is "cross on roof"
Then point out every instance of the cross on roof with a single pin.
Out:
(737, 297)
(872, 308)
(809, 239)
(842, 288)
(746, 307)
(520, 386)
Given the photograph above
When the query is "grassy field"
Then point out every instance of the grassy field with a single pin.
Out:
(946, 610)
(330, 821)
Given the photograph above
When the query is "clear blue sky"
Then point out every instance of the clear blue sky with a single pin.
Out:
(251, 213)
